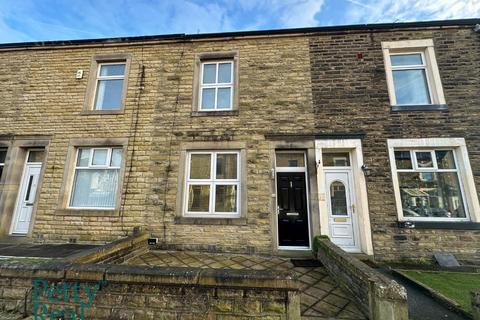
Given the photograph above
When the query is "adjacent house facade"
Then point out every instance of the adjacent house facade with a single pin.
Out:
(248, 142)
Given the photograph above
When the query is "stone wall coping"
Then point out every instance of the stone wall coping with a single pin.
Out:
(380, 298)
(174, 276)
(358, 267)
(95, 254)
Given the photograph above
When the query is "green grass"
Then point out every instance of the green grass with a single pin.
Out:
(453, 285)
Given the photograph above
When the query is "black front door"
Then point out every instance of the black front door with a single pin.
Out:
(292, 210)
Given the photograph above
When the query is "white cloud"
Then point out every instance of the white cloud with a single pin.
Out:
(63, 19)
(301, 13)
(374, 11)
(30, 20)
(8, 34)
(287, 13)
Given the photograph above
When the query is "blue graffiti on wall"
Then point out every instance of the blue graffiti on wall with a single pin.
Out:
(63, 300)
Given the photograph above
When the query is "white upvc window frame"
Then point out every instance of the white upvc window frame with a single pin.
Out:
(426, 48)
(106, 78)
(91, 166)
(216, 85)
(212, 182)
(422, 66)
(462, 168)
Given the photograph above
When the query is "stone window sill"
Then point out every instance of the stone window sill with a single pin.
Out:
(211, 221)
(87, 212)
(100, 112)
(214, 113)
(467, 225)
(425, 107)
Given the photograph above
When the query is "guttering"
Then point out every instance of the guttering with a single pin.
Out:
(240, 34)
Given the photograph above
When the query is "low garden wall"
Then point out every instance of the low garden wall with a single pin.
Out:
(99, 291)
(380, 297)
(115, 252)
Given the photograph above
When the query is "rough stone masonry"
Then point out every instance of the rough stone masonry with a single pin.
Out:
(295, 84)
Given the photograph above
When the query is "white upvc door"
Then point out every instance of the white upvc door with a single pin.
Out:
(26, 199)
(343, 226)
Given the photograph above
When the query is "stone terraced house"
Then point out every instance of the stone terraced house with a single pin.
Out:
(248, 141)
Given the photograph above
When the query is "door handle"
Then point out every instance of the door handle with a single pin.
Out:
(353, 208)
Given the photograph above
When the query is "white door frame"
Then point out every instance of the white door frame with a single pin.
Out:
(354, 147)
(350, 202)
(292, 170)
(21, 195)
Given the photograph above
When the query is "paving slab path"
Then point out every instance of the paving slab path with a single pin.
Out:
(321, 298)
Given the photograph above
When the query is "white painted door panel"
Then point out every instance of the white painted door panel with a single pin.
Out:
(340, 204)
(26, 199)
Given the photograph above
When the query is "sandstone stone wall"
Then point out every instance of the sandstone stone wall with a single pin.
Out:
(126, 292)
(42, 97)
(274, 95)
(350, 95)
(379, 297)
(292, 85)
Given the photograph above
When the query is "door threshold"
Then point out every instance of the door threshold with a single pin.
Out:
(297, 254)
(352, 251)
(292, 248)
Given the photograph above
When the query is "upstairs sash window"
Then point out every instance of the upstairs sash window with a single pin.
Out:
(216, 86)
(109, 86)
(410, 79)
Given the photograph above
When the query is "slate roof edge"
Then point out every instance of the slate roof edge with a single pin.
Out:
(236, 34)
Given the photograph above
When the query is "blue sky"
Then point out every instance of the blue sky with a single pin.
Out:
(38, 20)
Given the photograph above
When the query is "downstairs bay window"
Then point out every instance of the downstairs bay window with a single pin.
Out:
(433, 180)
(212, 184)
(96, 176)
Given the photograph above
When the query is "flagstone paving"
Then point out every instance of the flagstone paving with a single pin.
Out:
(321, 297)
